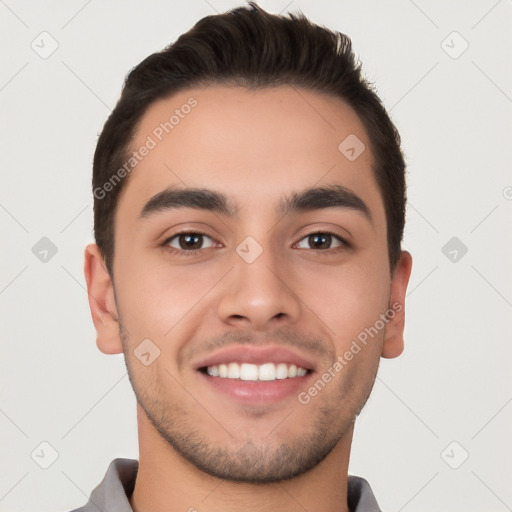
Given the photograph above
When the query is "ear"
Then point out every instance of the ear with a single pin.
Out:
(102, 302)
(394, 339)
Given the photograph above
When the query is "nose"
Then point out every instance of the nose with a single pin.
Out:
(259, 294)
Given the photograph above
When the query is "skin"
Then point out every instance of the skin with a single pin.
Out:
(255, 147)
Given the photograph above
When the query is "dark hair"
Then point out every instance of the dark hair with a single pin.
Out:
(251, 48)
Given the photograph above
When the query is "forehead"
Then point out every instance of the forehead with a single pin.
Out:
(250, 143)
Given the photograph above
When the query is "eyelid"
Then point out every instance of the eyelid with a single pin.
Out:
(186, 230)
(341, 239)
(166, 243)
(333, 235)
(183, 252)
(330, 228)
(177, 235)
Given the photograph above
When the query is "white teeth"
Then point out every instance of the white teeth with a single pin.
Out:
(233, 371)
(301, 372)
(247, 371)
(213, 371)
(223, 370)
(267, 371)
(281, 371)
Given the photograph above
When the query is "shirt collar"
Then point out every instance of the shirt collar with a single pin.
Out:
(114, 491)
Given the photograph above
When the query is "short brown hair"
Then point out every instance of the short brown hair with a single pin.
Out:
(249, 47)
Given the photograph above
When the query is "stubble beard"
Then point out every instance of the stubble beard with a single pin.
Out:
(249, 461)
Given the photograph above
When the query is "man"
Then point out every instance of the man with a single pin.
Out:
(249, 210)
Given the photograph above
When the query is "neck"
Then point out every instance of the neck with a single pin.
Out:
(167, 482)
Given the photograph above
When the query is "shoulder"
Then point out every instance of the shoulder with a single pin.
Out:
(113, 492)
(360, 496)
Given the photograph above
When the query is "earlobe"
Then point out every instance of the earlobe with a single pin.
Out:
(394, 338)
(102, 302)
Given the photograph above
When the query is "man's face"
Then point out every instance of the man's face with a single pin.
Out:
(257, 282)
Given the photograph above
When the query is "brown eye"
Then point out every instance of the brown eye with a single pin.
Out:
(320, 241)
(190, 241)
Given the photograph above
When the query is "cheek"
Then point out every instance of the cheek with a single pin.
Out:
(157, 300)
(346, 299)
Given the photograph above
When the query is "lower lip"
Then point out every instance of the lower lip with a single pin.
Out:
(258, 391)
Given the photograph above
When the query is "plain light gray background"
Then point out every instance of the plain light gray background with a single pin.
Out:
(447, 397)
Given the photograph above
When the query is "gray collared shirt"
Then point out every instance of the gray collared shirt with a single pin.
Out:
(112, 494)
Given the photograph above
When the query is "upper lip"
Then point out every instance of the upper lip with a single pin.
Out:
(255, 355)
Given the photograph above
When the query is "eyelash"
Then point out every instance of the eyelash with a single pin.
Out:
(172, 250)
(322, 252)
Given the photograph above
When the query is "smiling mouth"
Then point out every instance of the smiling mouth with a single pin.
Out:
(255, 372)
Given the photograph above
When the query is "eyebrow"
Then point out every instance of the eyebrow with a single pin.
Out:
(198, 198)
(316, 198)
